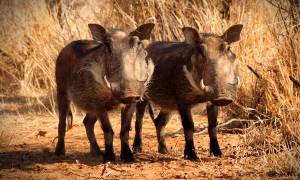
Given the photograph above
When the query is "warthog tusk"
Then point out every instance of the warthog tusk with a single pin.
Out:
(206, 88)
(191, 80)
(202, 86)
(189, 77)
(106, 81)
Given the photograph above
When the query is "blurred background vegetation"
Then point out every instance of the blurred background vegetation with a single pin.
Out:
(33, 32)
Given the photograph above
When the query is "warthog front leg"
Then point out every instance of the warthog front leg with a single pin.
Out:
(188, 126)
(140, 111)
(89, 123)
(63, 109)
(212, 114)
(126, 116)
(109, 154)
(160, 123)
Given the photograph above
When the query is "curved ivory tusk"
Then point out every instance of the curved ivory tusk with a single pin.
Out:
(106, 81)
(202, 86)
(206, 88)
(190, 78)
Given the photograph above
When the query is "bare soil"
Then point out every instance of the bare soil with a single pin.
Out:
(28, 138)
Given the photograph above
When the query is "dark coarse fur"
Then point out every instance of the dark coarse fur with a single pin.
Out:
(93, 74)
(170, 90)
(182, 67)
(173, 88)
(89, 95)
(68, 61)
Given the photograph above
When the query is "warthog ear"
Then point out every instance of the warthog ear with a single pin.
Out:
(233, 33)
(98, 32)
(143, 31)
(191, 35)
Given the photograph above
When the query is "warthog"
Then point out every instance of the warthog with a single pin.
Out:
(201, 69)
(99, 75)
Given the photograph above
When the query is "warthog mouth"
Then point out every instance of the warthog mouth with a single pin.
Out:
(129, 100)
(222, 101)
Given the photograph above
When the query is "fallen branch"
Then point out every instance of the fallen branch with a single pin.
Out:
(232, 131)
(249, 110)
(232, 126)
(235, 123)
(295, 81)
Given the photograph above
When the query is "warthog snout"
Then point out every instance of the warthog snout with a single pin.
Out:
(130, 99)
(221, 94)
(222, 101)
(127, 91)
(128, 96)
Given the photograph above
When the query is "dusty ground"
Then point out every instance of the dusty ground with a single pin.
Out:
(27, 142)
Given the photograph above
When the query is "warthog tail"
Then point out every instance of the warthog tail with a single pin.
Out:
(70, 120)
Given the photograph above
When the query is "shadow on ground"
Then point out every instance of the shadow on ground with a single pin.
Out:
(24, 159)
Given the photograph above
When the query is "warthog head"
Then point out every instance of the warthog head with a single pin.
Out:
(215, 63)
(128, 69)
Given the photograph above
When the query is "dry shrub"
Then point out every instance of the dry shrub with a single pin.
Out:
(285, 163)
(32, 34)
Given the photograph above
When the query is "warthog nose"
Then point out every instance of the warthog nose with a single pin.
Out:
(128, 100)
(222, 101)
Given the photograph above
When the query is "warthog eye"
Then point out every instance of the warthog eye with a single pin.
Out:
(228, 48)
(108, 45)
(199, 50)
(135, 42)
(140, 43)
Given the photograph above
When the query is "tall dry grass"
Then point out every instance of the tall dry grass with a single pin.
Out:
(33, 32)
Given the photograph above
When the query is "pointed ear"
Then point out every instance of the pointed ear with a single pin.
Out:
(98, 32)
(143, 31)
(191, 35)
(233, 33)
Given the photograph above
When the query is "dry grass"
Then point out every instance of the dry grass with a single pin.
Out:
(32, 34)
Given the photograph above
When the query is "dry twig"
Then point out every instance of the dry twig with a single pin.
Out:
(254, 72)
(295, 81)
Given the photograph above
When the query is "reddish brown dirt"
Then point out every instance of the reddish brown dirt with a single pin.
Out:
(28, 141)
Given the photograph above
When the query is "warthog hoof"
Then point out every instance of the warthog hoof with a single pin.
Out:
(60, 149)
(190, 154)
(109, 157)
(137, 149)
(137, 146)
(163, 150)
(215, 148)
(126, 154)
(96, 151)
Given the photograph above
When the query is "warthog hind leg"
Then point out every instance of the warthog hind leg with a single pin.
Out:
(89, 123)
(63, 109)
(160, 123)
